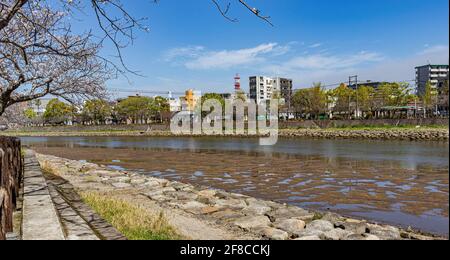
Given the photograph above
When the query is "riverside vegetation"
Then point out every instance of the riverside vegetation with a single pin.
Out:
(131, 220)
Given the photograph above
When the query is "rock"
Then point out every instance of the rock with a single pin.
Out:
(332, 217)
(336, 234)
(371, 237)
(152, 184)
(385, 232)
(227, 215)
(122, 179)
(231, 203)
(207, 193)
(274, 234)
(289, 212)
(121, 185)
(309, 233)
(357, 227)
(168, 190)
(194, 207)
(256, 208)
(320, 225)
(362, 237)
(138, 181)
(290, 225)
(157, 196)
(209, 210)
(182, 195)
(248, 223)
(308, 238)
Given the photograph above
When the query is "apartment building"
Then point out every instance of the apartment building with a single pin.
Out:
(265, 88)
(437, 75)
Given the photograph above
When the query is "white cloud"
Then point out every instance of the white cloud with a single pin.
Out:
(436, 49)
(323, 62)
(186, 52)
(315, 45)
(198, 58)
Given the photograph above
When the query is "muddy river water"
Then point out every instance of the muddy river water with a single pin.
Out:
(393, 182)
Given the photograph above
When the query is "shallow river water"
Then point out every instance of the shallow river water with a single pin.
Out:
(394, 182)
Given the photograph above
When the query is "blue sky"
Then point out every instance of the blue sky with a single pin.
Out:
(190, 45)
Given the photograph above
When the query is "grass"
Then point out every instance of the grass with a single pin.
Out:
(134, 222)
(390, 127)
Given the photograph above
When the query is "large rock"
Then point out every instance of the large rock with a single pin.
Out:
(194, 207)
(309, 238)
(231, 203)
(290, 225)
(274, 234)
(290, 212)
(121, 185)
(256, 207)
(354, 226)
(249, 223)
(336, 234)
(320, 225)
(385, 232)
(227, 215)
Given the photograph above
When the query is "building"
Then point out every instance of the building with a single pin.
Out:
(175, 104)
(285, 86)
(39, 106)
(190, 100)
(437, 75)
(373, 84)
(265, 88)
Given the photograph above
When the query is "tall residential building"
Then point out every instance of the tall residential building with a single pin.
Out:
(437, 75)
(264, 88)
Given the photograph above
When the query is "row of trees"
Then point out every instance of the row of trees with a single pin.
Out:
(135, 110)
(344, 102)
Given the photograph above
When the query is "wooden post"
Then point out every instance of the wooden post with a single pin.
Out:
(11, 173)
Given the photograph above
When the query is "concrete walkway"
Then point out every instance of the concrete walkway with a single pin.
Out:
(40, 220)
(52, 210)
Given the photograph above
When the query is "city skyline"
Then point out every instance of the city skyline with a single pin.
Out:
(311, 42)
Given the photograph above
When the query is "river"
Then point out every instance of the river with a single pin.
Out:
(394, 182)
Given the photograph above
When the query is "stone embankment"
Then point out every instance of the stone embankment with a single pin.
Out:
(369, 134)
(403, 134)
(201, 213)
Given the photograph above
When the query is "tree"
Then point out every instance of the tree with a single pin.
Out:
(58, 112)
(30, 114)
(429, 98)
(365, 96)
(214, 96)
(311, 101)
(96, 111)
(136, 109)
(159, 106)
(343, 96)
(241, 95)
(39, 55)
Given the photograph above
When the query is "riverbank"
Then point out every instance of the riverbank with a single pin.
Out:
(399, 133)
(201, 213)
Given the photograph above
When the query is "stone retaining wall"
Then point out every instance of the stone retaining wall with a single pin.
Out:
(11, 173)
(262, 219)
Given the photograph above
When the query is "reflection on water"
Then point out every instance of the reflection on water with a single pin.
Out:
(404, 183)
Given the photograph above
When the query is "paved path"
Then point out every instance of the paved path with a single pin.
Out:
(40, 220)
(53, 210)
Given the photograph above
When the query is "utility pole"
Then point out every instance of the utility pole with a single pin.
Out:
(353, 80)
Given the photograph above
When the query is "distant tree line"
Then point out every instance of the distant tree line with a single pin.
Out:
(389, 100)
(132, 110)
